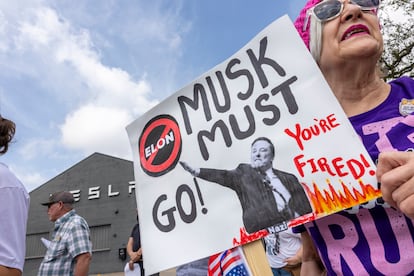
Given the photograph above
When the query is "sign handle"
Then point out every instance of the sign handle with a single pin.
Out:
(256, 258)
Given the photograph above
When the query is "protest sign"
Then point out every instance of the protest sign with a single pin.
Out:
(197, 191)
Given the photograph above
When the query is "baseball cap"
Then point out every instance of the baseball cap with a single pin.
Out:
(300, 21)
(65, 197)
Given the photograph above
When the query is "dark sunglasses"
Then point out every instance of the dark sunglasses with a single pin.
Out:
(330, 9)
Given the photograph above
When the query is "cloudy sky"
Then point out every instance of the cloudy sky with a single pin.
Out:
(75, 73)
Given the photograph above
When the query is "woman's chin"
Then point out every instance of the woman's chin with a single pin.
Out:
(360, 47)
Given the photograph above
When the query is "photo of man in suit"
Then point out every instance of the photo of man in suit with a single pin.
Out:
(268, 196)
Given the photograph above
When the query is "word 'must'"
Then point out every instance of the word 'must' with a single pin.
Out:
(262, 102)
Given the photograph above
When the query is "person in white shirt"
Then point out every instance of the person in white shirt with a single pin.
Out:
(14, 210)
(284, 252)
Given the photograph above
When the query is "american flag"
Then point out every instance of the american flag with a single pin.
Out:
(229, 263)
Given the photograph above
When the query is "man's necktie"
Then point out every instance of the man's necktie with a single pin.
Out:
(267, 181)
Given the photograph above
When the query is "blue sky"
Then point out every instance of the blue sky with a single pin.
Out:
(75, 73)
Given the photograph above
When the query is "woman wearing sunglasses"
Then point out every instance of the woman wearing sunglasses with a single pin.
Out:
(376, 238)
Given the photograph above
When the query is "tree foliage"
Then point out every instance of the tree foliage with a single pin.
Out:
(397, 24)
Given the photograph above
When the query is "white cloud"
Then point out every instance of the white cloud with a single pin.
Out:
(111, 99)
(32, 181)
(29, 180)
(3, 30)
(44, 28)
(97, 129)
(80, 88)
(36, 147)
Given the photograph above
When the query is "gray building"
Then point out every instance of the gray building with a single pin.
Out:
(104, 191)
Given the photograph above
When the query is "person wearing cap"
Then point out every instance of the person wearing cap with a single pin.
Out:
(375, 238)
(70, 250)
(14, 210)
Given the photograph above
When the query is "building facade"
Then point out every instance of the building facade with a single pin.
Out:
(104, 191)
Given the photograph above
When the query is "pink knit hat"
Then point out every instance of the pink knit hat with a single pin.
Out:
(300, 21)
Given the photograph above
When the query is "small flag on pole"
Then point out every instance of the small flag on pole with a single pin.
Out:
(229, 263)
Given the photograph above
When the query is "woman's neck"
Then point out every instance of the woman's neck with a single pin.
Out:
(356, 90)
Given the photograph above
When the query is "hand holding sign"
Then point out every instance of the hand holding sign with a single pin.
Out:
(395, 172)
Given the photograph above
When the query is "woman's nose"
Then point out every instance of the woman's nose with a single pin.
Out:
(350, 11)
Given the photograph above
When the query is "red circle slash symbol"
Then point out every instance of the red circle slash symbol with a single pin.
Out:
(160, 145)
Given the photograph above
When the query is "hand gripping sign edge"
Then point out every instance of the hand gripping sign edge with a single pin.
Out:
(160, 145)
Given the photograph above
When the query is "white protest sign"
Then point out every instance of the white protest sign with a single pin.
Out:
(270, 88)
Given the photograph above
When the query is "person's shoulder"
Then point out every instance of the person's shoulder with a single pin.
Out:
(403, 81)
(280, 172)
(244, 166)
(8, 179)
(77, 219)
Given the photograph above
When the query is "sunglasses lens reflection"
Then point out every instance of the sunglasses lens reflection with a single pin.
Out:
(327, 10)
(367, 4)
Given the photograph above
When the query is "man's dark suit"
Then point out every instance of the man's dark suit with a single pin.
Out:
(256, 197)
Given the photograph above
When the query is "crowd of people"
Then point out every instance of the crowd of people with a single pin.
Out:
(344, 38)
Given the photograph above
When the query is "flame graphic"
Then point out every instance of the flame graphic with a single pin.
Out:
(330, 201)
(246, 237)
(323, 202)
